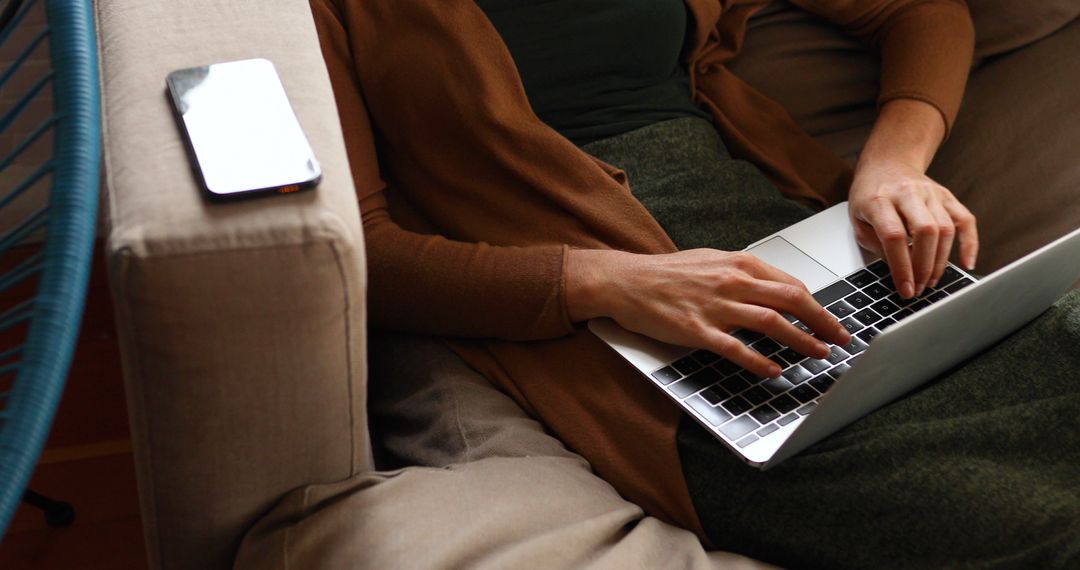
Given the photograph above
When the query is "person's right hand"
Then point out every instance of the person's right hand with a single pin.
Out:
(695, 298)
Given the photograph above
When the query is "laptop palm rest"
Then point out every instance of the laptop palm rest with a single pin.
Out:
(931, 342)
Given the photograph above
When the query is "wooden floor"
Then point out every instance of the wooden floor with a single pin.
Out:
(87, 461)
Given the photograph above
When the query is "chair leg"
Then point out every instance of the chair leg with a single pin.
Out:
(58, 514)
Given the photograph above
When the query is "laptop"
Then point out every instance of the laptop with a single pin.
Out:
(896, 345)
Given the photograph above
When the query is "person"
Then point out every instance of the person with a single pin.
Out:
(525, 166)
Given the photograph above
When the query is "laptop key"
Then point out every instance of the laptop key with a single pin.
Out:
(767, 430)
(841, 309)
(837, 355)
(920, 305)
(899, 301)
(903, 314)
(807, 408)
(804, 393)
(792, 356)
(822, 383)
(858, 300)
(776, 385)
(686, 365)
(785, 420)
(796, 375)
(666, 375)
(713, 415)
(747, 440)
(948, 276)
(877, 291)
(884, 307)
(764, 414)
(833, 292)
(867, 317)
(784, 403)
(815, 365)
(756, 395)
(855, 346)
(713, 397)
(960, 284)
(862, 278)
(701, 379)
(720, 391)
(851, 325)
(735, 384)
(706, 357)
(804, 328)
(738, 427)
(879, 268)
(736, 406)
(937, 296)
(727, 367)
(886, 323)
(868, 334)
(837, 371)
(766, 346)
(750, 377)
(747, 336)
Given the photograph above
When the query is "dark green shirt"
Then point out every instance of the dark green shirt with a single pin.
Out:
(593, 69)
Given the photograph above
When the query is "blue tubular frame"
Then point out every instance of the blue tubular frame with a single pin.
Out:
(71, 219)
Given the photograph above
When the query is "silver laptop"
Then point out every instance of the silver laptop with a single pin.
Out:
(896, 345)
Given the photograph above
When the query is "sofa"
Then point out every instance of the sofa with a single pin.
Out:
(272, 429)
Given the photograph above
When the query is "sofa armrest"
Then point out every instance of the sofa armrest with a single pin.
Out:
(241, 325)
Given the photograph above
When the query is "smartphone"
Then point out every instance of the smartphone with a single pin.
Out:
(242, 134)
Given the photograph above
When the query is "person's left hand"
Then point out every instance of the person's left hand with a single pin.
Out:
(890, 201)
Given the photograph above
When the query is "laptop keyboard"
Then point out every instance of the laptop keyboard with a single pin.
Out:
(744, 407)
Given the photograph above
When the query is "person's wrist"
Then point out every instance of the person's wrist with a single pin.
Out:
(588, 274)
(906, 134)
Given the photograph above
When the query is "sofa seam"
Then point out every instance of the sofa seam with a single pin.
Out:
(139, 395)
(462, 432)
(349, 364)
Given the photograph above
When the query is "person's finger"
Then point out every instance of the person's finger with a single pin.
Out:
(924, 234)
(730, 348)
(894, 240)
(946, 233)
(799, 303)
(968, 231)
(866, 237)
(769, 322)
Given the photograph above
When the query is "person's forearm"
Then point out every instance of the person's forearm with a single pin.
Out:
(908, 131)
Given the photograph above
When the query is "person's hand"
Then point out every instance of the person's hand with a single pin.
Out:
(695, 298)
(888, 202)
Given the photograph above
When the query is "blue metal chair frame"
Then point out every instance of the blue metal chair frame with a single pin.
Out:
(40, 363)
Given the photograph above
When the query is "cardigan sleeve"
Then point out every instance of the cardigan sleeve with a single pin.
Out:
(926, 46)
(427, 283)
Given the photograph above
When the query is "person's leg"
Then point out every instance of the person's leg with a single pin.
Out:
(683, 175)
(979, 468)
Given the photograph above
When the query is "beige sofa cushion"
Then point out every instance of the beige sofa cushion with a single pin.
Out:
(1013, 154)
(1004, 25)
(500, 492)
(1010, 157)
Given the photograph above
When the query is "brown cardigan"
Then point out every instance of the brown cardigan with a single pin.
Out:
(470, 202)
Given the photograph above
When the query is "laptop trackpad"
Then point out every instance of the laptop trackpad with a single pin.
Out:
(779, 253)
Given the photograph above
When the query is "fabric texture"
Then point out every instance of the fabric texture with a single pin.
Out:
(241, 326)
(991, 448)
(593, 69)
(684, 175)
(978, 469)
(485, 198)
(497, 492)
